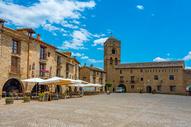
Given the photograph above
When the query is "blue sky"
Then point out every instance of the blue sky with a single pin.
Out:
(149, 30)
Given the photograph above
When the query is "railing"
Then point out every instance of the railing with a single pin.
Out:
(15, 69)
(43, 56)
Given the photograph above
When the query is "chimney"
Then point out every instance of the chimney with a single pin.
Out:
(38, 37)
(68, 53)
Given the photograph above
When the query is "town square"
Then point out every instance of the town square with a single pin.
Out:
(115, 110)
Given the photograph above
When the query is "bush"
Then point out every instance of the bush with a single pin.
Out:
(9, 100)
(26, 99)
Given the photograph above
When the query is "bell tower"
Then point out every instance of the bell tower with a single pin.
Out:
(112, 51)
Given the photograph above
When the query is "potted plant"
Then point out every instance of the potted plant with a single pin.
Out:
(9, 100)
(41, 96)
(26, 99)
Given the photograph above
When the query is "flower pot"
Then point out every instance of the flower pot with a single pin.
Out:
(9, 100)
(26, 99)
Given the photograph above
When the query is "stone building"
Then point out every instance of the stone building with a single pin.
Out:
(92, 75)
(164, 77)
(22, 56)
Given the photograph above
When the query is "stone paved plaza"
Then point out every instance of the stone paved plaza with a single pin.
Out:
(115, 110)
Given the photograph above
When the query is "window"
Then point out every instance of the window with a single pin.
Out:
(48, 54)
(172, 88)
(142, 79)
(132, 86)
(111, 60)
(141, 70)
(116, 61)
(15, 64)
(132, 79)
(58, 60)
(171, 77)
(42, 69)
(113, 51)
(43, 52)
(159, 88)
(121, 79)
(156, 77)
(120, 71)
(58, 72)
(15, 47)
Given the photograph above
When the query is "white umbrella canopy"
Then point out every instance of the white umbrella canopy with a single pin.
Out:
(87, 85)
(33, 80)
(80, 82)
(59, 80)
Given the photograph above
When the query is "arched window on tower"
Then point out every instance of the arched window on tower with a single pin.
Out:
(116, 61)
(113, 51)
(111, 60)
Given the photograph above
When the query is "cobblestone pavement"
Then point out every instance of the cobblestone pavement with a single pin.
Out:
(115, 110)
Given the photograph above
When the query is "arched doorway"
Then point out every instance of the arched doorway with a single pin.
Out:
(58, 89)
(148, 89)
(123, 88)
(39, 89)
(12, 87)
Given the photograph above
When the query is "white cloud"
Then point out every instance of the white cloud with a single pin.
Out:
(159, 59)
(77, 54)
(187, 57)
(82, 56)
(78, 39)
(140, 7)
(43, 12)
(50, 27)
(95, 61)
(99, 41)
(100, 49)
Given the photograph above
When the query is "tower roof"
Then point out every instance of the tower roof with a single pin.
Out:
(111, 39)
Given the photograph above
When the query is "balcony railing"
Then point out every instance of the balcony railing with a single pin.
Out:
(43, 57)
(15, 70)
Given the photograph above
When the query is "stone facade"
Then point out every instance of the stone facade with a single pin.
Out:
(164, 77)
(22, 56)
(92, 75)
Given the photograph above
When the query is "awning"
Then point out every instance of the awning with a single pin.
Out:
(33, 80)
(57, 80)
(86, 85)
(188, 88)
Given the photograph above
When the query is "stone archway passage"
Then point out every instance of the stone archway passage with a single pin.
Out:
(123, 87)
(12, 87)
(148, 89)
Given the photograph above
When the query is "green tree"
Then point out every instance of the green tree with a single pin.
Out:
(108, 86)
